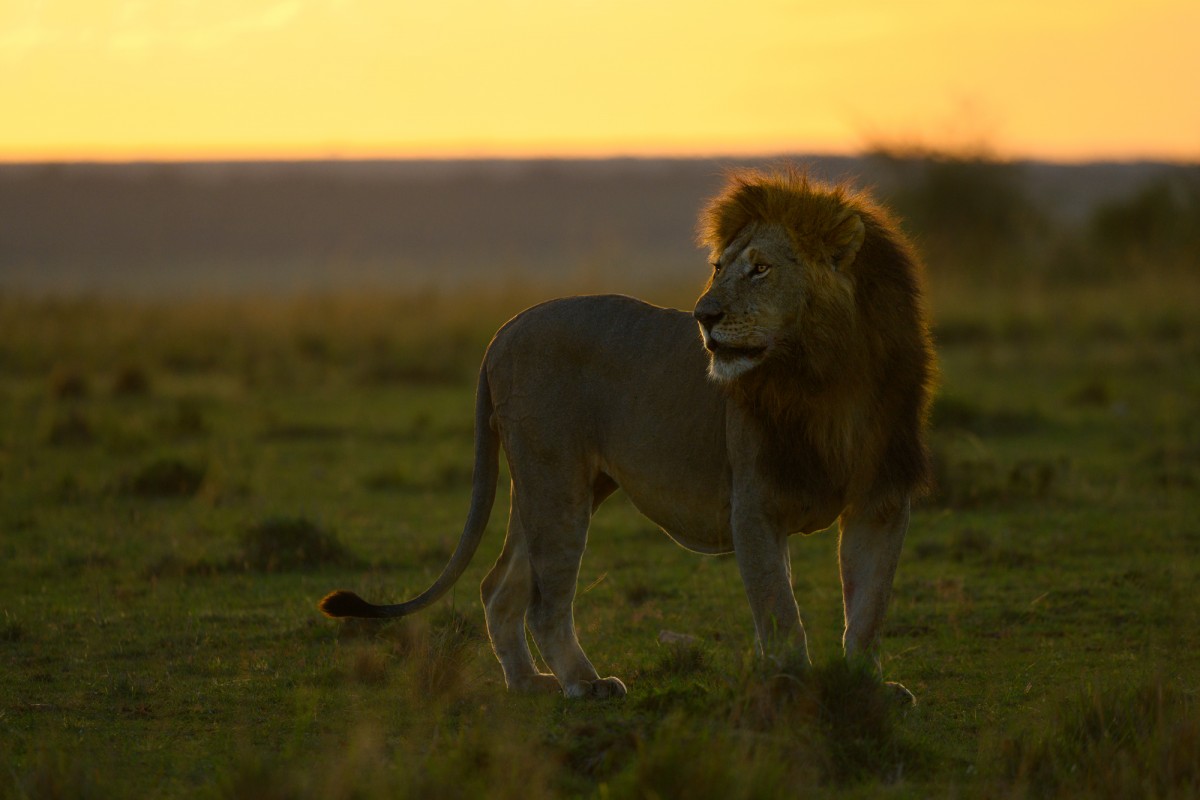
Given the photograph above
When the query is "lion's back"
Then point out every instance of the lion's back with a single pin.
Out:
(620, 386)
(601, 339)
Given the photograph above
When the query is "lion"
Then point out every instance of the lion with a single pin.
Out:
(800, 401)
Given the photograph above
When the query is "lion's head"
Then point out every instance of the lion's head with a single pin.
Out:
(813, 319)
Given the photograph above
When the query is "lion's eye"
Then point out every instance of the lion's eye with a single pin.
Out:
(716, 267)
(762, 269)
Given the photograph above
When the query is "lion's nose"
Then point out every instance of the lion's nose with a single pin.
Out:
(708, 312)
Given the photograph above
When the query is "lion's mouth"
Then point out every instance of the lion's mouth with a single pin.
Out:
(729, 351)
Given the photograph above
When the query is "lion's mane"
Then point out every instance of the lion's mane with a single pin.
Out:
(844, 403)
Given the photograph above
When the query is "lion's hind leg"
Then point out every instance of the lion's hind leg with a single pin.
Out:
(555, 524)
(507, 592)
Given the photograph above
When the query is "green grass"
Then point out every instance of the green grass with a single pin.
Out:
(180, 484)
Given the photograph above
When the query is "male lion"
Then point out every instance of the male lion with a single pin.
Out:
(808, 406)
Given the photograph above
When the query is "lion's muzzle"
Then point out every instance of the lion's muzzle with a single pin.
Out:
(708, 312)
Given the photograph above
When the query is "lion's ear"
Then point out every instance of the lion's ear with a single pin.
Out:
(847, 238)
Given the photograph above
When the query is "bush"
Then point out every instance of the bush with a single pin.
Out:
(972, 212)
(1159, 226)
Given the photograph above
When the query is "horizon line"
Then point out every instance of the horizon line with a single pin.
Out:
(916, 152)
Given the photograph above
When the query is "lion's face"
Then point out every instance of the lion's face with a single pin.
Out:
(752, 302)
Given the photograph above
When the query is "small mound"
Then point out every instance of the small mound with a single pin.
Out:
(288, 543)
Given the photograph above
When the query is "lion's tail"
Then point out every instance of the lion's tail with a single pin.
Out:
(343, 603)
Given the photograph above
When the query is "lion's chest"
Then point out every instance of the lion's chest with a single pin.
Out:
(803, 493)
(804, 512)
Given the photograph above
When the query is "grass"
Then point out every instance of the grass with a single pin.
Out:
(1140, 740)
(181, 484)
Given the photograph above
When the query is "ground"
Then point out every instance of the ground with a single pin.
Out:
(180, 484)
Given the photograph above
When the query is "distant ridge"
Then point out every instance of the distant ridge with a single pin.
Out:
(158, 229)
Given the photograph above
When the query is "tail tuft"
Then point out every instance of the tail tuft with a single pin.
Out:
(347, 604)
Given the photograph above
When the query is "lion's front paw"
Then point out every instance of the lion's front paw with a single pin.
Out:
(600, 689)
(609, 687)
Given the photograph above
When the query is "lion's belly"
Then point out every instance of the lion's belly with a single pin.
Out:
(702, 521)
(699, 523)
(664, 441)
(678, 476)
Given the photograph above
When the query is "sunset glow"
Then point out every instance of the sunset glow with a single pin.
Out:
(181, 79)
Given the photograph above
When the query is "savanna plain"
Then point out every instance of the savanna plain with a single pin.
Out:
(181, 481)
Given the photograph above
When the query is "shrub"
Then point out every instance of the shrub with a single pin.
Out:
(972, 211)
(1158, 225)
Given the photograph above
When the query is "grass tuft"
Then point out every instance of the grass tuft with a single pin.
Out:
(679, 758)
(55, 774)
(436, 662)
(642, 590)
(381, 372)
(68, 383)
(681, 659)
(1173, 465)
(131, 381)
(11, 630)
(1093, 393)
(431, 652)
(164, 478)
(839, 719)
(185, 420)
(597, 749)
(387, 479)
(954, 413)
(1140, 740)
(984, 481)
(857, 717)
(280, 544)
(370, 666)
(428, 478)
(70, 429)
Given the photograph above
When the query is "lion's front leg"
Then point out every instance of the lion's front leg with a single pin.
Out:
(868, 552)
(762, 559)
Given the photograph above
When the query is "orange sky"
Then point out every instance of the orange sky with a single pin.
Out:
(129, 79)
